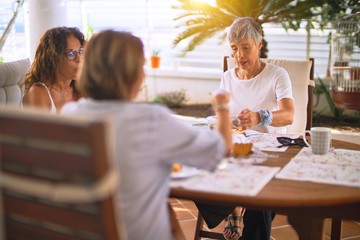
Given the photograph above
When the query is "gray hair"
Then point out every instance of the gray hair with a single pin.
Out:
(245, 28)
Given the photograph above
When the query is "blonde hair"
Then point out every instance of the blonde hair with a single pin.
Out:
(113, 64)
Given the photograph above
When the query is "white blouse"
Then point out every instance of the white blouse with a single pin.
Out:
(147, 140)
(264, 91)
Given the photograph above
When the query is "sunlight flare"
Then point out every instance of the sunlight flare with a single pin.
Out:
(210, 2)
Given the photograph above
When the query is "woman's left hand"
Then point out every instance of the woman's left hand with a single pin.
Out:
(248, 119)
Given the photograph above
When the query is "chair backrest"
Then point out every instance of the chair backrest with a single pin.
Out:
(11, 77)
(56, 182)
(302, 79)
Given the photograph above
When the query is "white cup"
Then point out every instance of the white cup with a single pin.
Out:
(320, 140)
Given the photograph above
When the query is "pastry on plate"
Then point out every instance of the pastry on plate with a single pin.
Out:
(242, 149)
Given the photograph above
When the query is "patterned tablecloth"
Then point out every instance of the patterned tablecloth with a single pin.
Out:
(339, 166)
(232, 178)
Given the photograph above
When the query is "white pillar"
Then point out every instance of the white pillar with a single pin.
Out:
(43, 15)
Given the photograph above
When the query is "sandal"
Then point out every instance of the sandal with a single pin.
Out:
(232, 232)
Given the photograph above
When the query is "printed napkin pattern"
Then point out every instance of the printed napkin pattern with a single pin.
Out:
(339, 166)
(237, 179)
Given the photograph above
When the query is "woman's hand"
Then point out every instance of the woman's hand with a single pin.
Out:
(248, 119)
(220, 101)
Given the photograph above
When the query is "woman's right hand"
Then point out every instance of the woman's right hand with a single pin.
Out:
(220, 99)
(220, 104)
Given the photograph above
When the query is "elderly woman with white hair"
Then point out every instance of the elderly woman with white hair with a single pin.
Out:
(261, 98)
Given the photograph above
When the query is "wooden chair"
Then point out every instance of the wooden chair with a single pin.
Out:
(56, 181)
(302, 78)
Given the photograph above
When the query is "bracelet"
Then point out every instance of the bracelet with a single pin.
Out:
(266, 117)
(219, 107)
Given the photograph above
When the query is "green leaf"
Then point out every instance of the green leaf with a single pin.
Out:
(337, 112)
(288, 13)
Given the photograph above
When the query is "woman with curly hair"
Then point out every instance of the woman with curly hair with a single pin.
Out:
(50, 82)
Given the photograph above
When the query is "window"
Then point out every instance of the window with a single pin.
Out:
(152, 21)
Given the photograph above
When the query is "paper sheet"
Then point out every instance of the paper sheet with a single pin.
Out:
(339, 166)
(239, 179)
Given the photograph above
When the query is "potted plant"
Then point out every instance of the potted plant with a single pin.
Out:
(172, 99)
(155, 59)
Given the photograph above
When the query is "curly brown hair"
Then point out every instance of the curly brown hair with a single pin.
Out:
(49, 53)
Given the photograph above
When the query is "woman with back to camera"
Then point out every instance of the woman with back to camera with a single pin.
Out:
(261, 98)
(50, 82)
(147, 139)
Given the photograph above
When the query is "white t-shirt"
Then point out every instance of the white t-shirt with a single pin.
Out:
(263, 91)
(147, 141)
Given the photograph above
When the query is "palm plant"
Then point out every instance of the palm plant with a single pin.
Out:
(202, 20)
(321, 88)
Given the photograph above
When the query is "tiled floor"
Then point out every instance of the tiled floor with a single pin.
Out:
(186, 213)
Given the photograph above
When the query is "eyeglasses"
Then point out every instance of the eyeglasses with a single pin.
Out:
(72, 54)
(285, 141)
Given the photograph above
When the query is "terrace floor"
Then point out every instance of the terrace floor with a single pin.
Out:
(186, 213)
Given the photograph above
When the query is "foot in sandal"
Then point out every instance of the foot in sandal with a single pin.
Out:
(232, 228)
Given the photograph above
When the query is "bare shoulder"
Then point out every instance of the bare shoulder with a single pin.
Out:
(37, 96)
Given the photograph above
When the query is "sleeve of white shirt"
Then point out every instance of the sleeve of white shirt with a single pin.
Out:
(283, 84)
(224, 82)
(182, 143)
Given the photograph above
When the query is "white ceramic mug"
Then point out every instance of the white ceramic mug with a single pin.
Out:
(320, 140)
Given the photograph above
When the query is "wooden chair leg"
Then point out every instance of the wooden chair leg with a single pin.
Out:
(200, 232)
(176, 228)
(336, 229)
(199, 226)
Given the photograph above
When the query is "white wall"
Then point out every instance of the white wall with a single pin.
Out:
(198, 86)
(43, 15)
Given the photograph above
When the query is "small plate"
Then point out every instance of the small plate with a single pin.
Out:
(185, 172)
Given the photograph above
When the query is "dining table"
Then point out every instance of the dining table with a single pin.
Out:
(306, 203)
